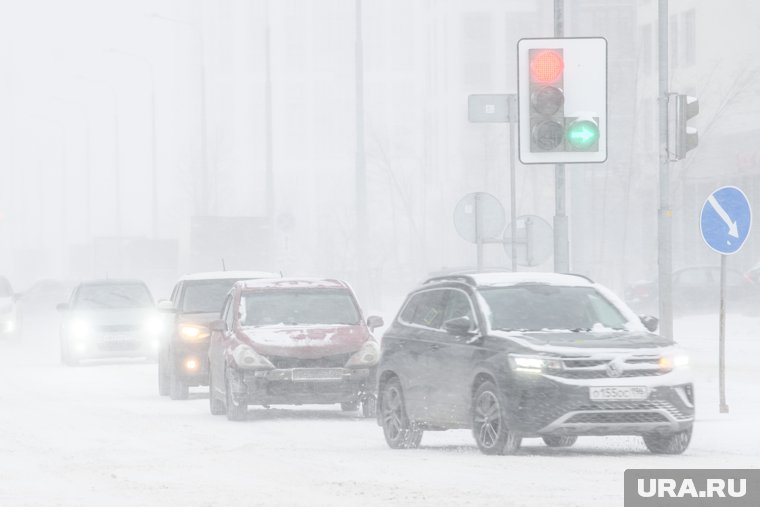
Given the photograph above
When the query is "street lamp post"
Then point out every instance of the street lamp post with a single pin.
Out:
(154, 134)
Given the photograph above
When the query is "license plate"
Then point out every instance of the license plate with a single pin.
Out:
(618, 393)
(306, 374)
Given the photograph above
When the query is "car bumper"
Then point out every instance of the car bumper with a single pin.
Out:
(301, 386)
(546, 405)
(100, 348)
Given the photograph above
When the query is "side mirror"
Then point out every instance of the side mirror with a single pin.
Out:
(62, 307)
(164, 305)
(218, 326)
(650, 322)
(459, 326)
(373, 322)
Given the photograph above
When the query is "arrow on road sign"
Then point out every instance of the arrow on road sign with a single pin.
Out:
(733, 230)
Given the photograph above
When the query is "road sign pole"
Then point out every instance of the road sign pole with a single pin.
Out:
(664, 252)
(512, 177)
(722, 336)
(561, 241)
(479, 231)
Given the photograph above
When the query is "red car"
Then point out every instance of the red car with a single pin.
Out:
(292, 341)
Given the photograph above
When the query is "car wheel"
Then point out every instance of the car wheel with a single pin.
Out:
(349, 406)
(398, 430)
(178, 390)
(369, 406)
(670, 443)
(559, 441)
(216, 406)
(163, 376)
(489, 422)
(235, 411)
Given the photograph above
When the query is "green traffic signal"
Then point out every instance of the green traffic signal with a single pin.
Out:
(582, 135)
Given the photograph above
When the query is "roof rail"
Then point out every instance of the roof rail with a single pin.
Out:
(451, 278)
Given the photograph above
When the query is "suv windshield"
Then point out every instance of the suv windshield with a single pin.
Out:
(205, 296)
(298, 307)
(537, 307)
(94, 297)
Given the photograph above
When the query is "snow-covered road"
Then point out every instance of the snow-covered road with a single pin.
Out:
(100, 435)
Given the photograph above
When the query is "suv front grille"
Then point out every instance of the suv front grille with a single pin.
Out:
(637, 406)
(617, 418)
(587, 367)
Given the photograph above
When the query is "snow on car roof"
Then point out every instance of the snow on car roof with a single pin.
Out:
(227, 275)
(295, 283)
(508, 278)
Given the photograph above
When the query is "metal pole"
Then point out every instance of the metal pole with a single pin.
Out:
(269, 176)
(561, 236)
(361, 176)
(512, 104)
(478, 231)
(664, 253)
(722, 336)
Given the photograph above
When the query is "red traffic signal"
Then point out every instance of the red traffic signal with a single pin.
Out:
(546, 66)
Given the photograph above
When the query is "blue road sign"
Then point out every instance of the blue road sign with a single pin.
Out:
(726, 220)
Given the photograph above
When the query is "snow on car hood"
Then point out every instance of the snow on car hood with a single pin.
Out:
(306, 342)
(565, 341)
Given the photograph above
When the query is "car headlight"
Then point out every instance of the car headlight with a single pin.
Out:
(674, 361)
(368, 355)
(193, 332)
(248, 359)
(80, 328)
(534, 364)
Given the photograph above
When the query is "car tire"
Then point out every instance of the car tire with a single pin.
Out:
(670, 443)
(489, 426)
(560, 441)
(163, 376)
(178, 390)
(216, 406)
(399, 432)
(349, 406)
(369, 406)
(234, 411)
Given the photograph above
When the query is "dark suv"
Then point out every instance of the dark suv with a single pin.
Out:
(196, 300)
(513, 355)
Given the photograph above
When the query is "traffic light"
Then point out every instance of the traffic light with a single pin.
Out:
(681, 137)
(562, 100)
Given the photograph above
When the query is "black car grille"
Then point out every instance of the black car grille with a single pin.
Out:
(282, 362)
(617, 418)
(114, 346)
(584, 367)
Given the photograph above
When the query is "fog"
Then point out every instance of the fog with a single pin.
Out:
(102, 100)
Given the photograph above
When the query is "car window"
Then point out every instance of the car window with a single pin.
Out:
(425, 309)
(227, 314)
(204, 296)
(537, 307)
(175, 295)
(458, 306)
(112, 296)
(293, 307)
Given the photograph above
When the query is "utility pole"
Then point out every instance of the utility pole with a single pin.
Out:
(561, 239)
(664, 224)
(361, 170)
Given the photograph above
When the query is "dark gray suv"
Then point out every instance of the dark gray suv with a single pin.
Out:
(514, 355)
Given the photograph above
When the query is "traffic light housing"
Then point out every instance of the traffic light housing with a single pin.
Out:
(681, 137)
(562, 100)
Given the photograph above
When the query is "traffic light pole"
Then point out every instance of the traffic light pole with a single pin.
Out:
(561, 241)
(665, 252)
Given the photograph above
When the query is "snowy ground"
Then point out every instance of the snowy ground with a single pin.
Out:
(100, 435)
